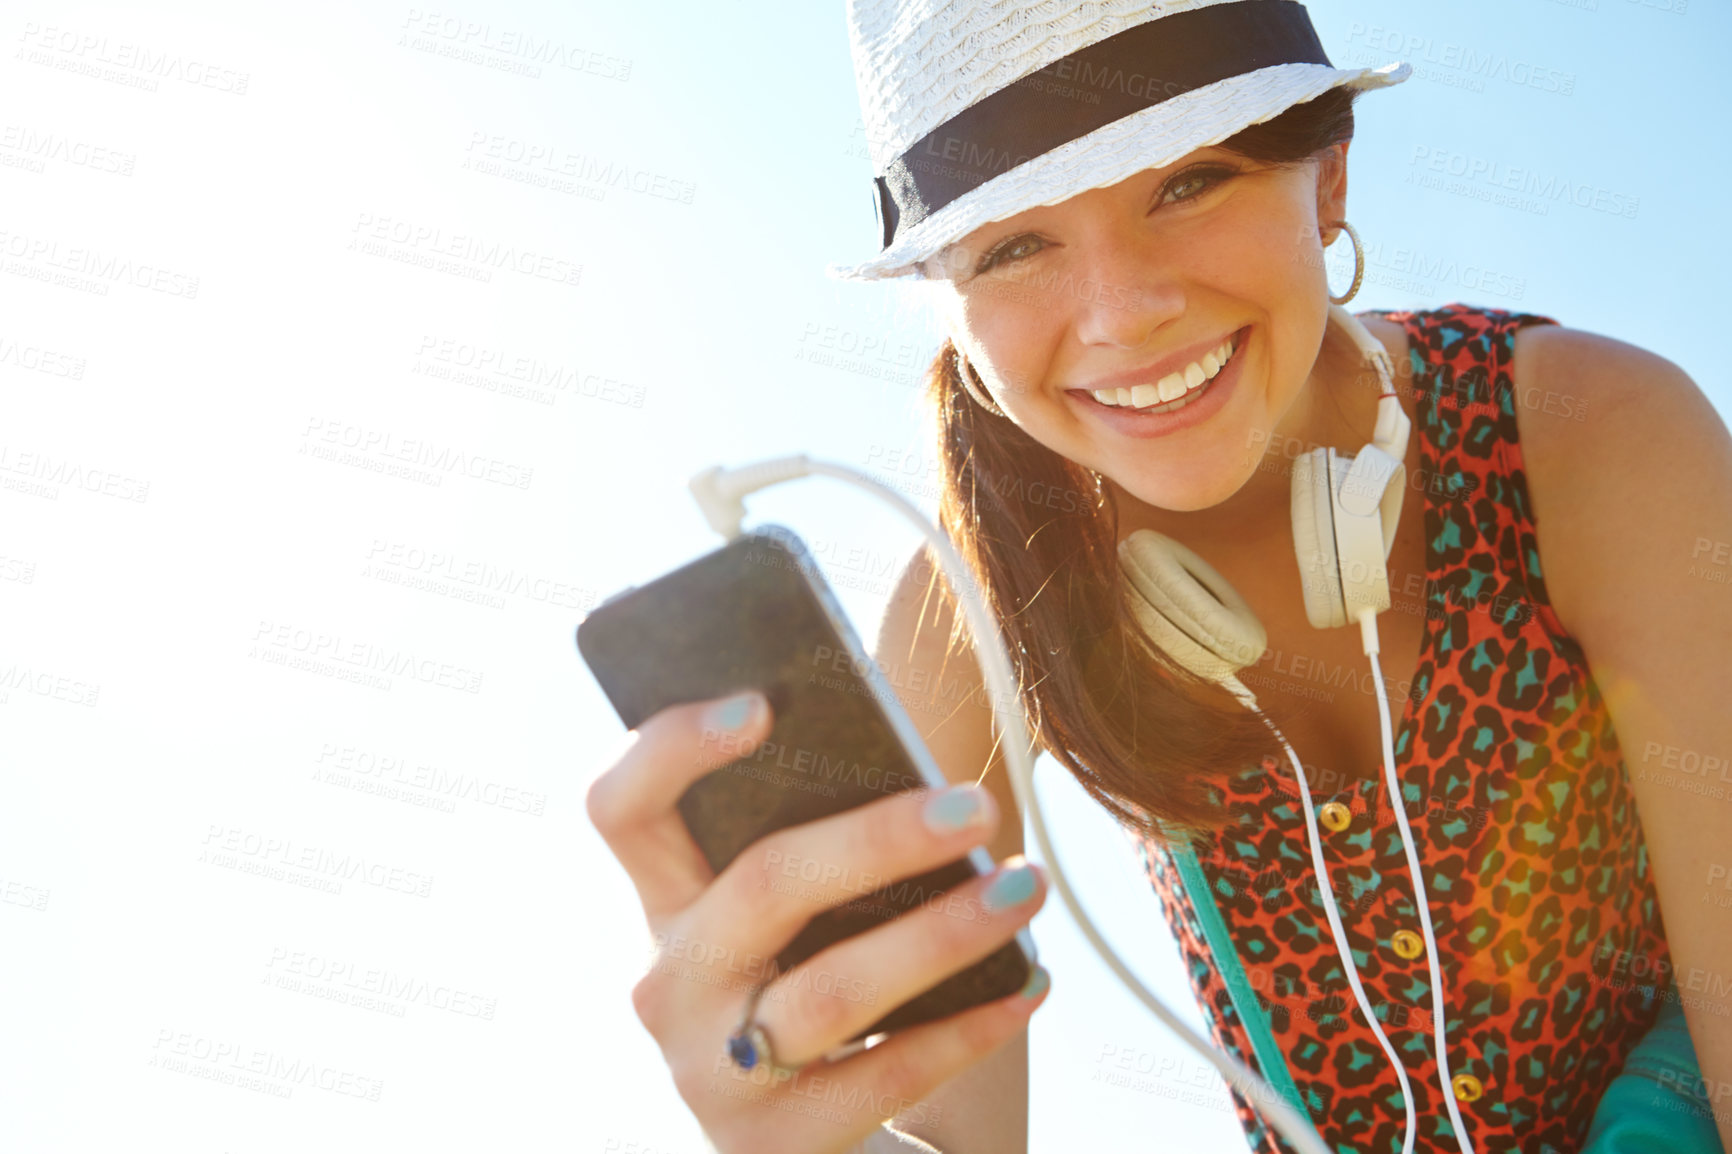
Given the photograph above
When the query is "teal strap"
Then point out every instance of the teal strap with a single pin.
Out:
(1270, 1060)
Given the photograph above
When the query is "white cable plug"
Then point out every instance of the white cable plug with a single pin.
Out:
(720, 494)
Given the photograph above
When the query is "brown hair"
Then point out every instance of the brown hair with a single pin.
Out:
(1146, 738)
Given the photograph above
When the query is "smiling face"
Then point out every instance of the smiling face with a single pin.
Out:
(1098, 324)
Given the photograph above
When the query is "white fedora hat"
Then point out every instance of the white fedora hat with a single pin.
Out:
(976, 110)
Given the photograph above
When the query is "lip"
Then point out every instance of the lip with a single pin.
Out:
(1152, 374)
(1216, 393)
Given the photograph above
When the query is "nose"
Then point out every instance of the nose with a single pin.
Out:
(1124, 296)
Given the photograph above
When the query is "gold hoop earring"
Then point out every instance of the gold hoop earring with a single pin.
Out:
(1358, 265)
(970, 385)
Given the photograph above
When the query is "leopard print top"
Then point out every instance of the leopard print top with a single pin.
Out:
(1519, 800)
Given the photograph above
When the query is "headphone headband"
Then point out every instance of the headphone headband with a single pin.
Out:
(1393, 428)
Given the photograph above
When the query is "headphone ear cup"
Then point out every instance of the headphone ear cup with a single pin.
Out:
(1189, 609)
(1314, 539)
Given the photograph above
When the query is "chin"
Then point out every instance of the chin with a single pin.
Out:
(1188, 497)
(1186, 492)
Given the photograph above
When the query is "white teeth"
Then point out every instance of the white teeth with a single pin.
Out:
(1172, 386)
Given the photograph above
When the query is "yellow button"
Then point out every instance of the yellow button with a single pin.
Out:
(1467, 1088)
(1335, 816)
(1407, 944)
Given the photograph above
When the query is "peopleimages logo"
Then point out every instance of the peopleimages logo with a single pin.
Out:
(480, 42)
(275, 643)
(43, 253)
(36, 359)
(35, 149)
(140, 65)
(46, 473)
(314, 973)
(471, 255)
(231, 1062)
(44, 683)
(440, 567)
(330, 439)
(1545, 188)
(226, 845)
(515, 374)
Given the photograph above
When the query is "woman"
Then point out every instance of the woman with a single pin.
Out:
(1121, 209)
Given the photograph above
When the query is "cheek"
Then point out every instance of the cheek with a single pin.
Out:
(1273, 249)
(1010, 342)
(1274, 257)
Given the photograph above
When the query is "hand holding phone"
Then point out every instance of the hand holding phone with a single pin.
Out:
(709, 864)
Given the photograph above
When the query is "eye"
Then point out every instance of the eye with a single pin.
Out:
(1193, 182)
(1012, 249)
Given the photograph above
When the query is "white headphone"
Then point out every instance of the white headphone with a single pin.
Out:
(1345, 513)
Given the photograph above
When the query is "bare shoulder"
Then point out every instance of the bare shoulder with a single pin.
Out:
(1610, 435)
(1603, 373)
(1594, 410)
(939, 684)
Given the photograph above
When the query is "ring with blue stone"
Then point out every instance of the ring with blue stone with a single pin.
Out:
(749, 1046)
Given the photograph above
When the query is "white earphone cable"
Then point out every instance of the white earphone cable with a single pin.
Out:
(1333, 912)
(1368, 626)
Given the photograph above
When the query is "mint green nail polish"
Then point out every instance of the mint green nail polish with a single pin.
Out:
(734, 712)
(1011, 887)
(1037, 983)
(953, 810)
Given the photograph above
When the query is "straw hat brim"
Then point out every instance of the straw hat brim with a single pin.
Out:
(1152, 138)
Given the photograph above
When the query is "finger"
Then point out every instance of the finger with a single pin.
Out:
(724, 944)
(866, 1089)
(632, 803)
(817, 1006)
(780, 882)
(905, 1068)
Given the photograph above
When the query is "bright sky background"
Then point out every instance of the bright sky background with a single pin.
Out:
(174, 533)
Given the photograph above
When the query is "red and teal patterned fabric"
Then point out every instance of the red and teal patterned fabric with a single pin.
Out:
(1520, 804)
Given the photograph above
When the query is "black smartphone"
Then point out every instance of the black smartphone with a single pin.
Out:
(757, 614)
